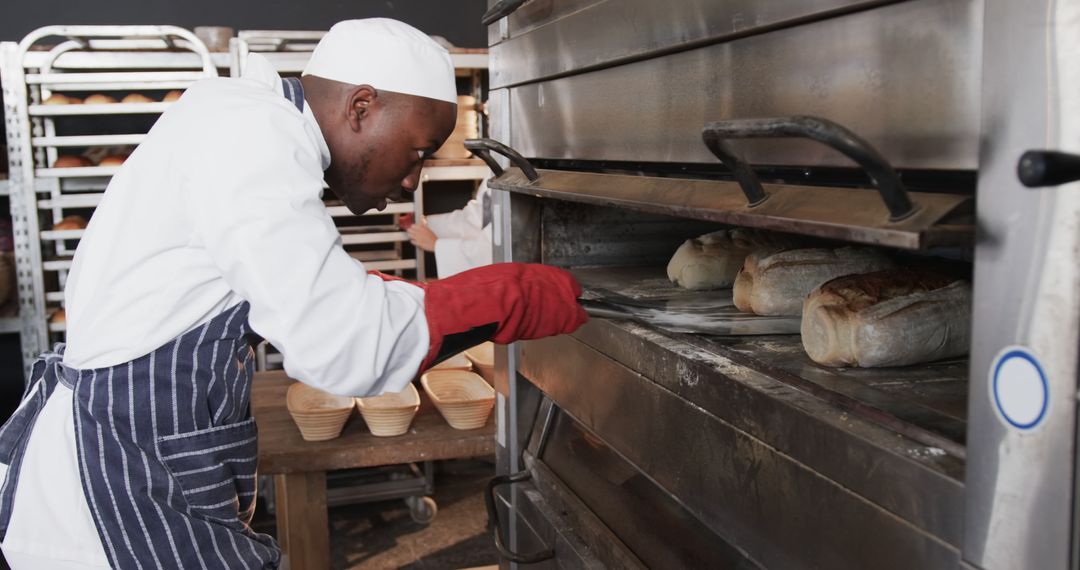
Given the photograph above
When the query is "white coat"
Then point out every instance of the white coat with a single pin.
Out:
(464, 239)
(220, 204)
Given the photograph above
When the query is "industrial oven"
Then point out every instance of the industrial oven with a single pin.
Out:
(935, 129)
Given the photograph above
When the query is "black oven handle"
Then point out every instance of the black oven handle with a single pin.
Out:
(501, 9)
(484, 147)
(717, 134)
(493, 518)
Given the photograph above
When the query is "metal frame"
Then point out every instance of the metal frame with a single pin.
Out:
(1008, 497)
(1021, 478)
(29, 77)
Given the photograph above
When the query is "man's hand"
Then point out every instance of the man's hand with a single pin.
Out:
(422, 237)
(504, 302)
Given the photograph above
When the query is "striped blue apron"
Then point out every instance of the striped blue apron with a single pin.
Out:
(166, 446)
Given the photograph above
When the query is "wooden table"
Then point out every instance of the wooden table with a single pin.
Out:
(299, 467)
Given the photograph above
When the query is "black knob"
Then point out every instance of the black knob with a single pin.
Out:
(1047, 168)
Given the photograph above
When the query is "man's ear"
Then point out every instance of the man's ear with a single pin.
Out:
(360, 101)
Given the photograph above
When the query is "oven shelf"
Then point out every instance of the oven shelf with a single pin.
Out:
(926, 403)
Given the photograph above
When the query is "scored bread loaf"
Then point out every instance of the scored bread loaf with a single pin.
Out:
(711, 261)
(894, 317)
(777, 283)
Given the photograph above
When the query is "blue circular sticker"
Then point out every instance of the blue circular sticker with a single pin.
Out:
(1018, 387)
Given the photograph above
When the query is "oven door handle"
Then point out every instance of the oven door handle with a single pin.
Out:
(501, 9)
(484, 147)
(1039, 168)
(717, 135)
(493, 518)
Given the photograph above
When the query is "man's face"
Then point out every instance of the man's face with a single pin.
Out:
(381, 153)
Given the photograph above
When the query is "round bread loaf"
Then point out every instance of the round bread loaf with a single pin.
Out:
(172, 96)
(99, 99)
(61, 99)
(895, 317)
(59, 316)
(71, 161)
(113, 160)
(713, 260)
(136, 98)
(71, 223)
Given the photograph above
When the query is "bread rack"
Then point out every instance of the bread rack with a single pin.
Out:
(100, 59)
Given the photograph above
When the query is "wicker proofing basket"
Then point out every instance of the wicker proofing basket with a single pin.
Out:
(456, 362)
(319, 415)
(483, 360)
(390, 414)
(464, 399)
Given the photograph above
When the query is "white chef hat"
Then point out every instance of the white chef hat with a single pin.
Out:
(386, 54)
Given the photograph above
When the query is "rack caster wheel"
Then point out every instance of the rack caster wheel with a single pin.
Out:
(422, 510)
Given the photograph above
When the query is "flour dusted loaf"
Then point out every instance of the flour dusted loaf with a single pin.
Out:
(777, 283)
(712, 260)
(894, 317)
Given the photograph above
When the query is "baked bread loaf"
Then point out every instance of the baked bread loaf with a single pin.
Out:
(113, 160)
(99, 99)
(713, 260)
(777, 283)
(172, 96)
(71, 223)
(71, 161)
(59, 316)
(137, 98)
(894, 317)
(61, 99)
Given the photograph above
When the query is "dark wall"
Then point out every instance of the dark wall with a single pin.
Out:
(456, 20)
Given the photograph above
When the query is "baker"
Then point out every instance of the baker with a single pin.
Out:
(461, 239)
(134, 446)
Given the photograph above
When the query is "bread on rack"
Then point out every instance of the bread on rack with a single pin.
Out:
(61, 99)
(713, 260)
(776, 283)
(137, 98)
(99, 99)
(172, 96)
(71, 223)
(894, 317)
(58, 317)
(113, 160)
(72, 161)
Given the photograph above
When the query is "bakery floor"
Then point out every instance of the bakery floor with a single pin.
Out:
(382, 535)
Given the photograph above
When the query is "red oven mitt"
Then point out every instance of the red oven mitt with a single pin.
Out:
(503, 303)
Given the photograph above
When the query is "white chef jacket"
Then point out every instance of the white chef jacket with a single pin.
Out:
(464, 242)
(220, 204)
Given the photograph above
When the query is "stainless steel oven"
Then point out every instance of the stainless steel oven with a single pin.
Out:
(634, 125)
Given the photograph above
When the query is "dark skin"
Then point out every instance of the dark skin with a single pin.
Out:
(378, 139)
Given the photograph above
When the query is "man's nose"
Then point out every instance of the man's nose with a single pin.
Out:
(412, 181)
